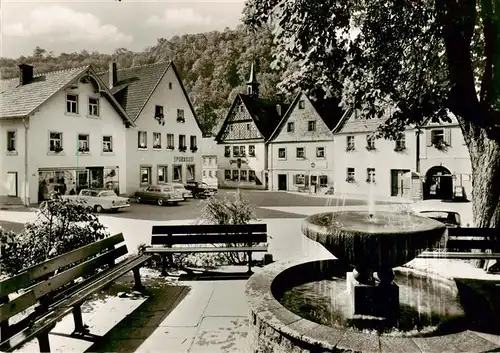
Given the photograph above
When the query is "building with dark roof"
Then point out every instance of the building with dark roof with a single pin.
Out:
(301, 146)
(61, 131)
(242, 138)
(165, 145)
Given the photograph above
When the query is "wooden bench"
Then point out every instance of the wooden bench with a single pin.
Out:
(57, 287)
(234, 238)
(459, 242)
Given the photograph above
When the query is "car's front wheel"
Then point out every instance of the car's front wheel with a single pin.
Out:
(138, 199)
(98, 208)
(160, 202)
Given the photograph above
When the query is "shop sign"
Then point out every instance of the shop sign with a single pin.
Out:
(180, 159)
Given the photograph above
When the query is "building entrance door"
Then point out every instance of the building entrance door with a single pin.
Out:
(282, 182)
(12, 184)
(400, 182)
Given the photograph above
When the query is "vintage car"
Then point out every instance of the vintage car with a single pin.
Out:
(200, 189)
(100, 199)
(186, 194)
(159, 194)
(450, 218)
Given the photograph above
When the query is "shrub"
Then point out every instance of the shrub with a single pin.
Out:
(61, 226)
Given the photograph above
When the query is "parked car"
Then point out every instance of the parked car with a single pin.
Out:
(450, 218)
(100, 199)
(186, 194)
(159, 194)
(200, 189)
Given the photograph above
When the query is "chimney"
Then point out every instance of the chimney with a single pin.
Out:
(278, 109)
(25, 74)
(113, 74)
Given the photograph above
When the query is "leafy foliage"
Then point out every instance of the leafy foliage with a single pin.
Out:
(61, 226)
(214, 66)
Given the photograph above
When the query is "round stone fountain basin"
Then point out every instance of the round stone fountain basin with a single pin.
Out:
(387, 239)
(278, 329)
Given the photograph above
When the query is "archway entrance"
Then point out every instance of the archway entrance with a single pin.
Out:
(438, 183)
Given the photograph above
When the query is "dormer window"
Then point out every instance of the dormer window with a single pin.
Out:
(302, 104)
(72, 103)
(158, 111)
(290, 127)
(311, 125)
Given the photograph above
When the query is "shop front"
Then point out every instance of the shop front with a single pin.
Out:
(69, 181)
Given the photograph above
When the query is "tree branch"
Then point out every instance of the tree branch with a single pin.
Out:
(488, 32)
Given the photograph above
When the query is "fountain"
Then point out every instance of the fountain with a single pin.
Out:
(357, 302)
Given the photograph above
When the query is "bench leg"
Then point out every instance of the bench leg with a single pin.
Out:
(137, 279)
(43, 342)
(80, 328)
(249, 258)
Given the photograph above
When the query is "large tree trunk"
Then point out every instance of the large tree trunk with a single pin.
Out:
(485, 160)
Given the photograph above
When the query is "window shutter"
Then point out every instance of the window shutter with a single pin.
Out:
(428, 134)
(447, 136)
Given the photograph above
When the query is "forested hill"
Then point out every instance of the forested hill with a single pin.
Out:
(214, 65)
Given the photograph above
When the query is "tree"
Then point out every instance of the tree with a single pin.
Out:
(424, 59)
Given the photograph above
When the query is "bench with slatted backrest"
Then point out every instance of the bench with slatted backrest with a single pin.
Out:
(48, 291)
(459, 243)
(168, 240)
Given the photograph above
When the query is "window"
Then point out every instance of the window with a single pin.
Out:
(227, 151)
(145, 175)
(311, 125)
(142, 139)
(251, 175)
(55, 142)
(437, 136)
(282, 153)
(370, 175)
(190, 172)
(350, 143)
(400, 143)
(11, 141)
(162, 174)
(323, 181)
(242, 108)
(158, 111)
(300, 152)
(248, 126)
(83, 143)
(243, 175)
(242, 151)
(204, 173)
(157, 140)
(227, 174)
(302, 104)
(177, 174)
(236, 175)
(236, 151)
(350, 175)
(300, 179)
(251, 150)
(290, 127)
(170, 85)
(210, 173)
(320, 152)
(107, 143)
(72, 103)
(170, 141)
(370, 142)
(182, 143)
(192, 141)
(93, 106)
(231, 127)
(180, 115)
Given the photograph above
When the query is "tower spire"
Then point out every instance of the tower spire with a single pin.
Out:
(252, 84)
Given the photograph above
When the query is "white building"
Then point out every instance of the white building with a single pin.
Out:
(365, 165)
(301, 147)
(165, 145)
(62, 131)
(444, 160)
(242, 150)
(209, 165)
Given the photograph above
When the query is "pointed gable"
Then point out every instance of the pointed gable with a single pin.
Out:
(322, 115)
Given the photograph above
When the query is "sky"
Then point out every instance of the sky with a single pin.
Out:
(104, 25)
